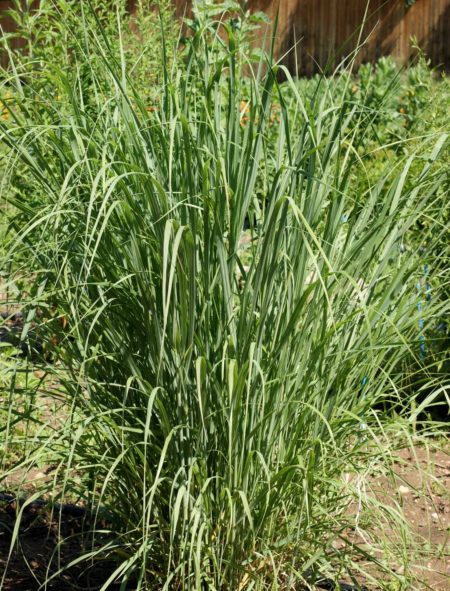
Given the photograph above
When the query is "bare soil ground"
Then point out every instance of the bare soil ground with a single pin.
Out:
(422, 490)
(415, 496)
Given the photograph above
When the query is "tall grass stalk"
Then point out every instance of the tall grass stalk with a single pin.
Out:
(219, 387)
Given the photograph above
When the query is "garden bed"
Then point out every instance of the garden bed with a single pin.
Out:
(419, 487)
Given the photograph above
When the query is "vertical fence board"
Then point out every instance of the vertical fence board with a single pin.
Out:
(6, 27)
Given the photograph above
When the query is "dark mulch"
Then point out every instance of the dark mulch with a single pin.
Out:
(46, 544)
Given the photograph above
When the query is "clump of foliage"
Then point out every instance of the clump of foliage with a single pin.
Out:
(216, 401)
(48, 30)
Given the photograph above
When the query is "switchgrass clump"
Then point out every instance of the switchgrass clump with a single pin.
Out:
(228, 320)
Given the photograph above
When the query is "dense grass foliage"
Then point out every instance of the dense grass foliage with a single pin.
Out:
(231, 315)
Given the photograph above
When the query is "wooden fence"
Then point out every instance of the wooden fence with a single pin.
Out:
(324, 30)
(329, 29)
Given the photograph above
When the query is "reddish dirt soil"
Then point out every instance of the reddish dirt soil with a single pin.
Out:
(423, 491)
(419, 491)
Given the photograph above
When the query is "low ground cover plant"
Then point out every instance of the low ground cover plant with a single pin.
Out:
(228, 317)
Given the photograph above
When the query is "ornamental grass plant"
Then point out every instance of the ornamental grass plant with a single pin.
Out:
(228, 321)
